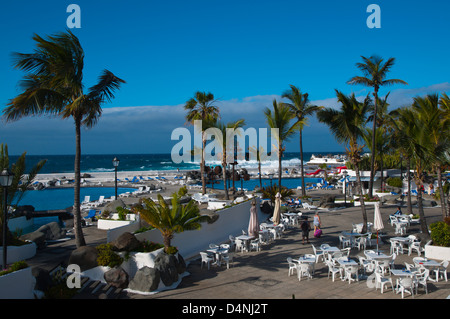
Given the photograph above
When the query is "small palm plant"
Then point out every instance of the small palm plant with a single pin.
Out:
(170, 219)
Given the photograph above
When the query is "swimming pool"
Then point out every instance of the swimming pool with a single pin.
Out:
(252, 183)
(61, 198)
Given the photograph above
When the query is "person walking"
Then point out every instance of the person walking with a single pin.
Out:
(306, 228)
(316, 221)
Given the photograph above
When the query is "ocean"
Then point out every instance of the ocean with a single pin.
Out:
(49, 199)
(142, 162)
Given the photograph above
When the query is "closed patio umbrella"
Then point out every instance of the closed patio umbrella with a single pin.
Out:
(253, 226)
(377, 220)
(276, 212)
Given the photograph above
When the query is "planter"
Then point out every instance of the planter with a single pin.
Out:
(18, 253)
(115, 223)
(357, 203)
(437, 252)
(17, 285)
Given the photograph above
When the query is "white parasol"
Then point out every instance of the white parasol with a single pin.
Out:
(377, 220)
(253, 226)
(276, 212)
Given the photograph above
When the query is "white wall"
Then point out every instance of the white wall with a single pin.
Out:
(17, 285)
(19, 223)
(189, 243)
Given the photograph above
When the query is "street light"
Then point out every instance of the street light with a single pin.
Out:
(6, 178)
(115, 164)
(345, 187)
(271, 177)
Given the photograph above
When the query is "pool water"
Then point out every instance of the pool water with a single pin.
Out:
(252, 183)
(61, 198)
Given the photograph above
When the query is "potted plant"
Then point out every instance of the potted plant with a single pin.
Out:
(440, 234)
(17, 282)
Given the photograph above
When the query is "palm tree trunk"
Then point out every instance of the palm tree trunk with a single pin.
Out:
(301, 165)
(409, 200)
(361, 198)
(224, 175)
(166, 241)
(202, 165)
(441, 192)
(259, 171)
(79, 237)
(280, 154)
(423, 222)
(372, 161)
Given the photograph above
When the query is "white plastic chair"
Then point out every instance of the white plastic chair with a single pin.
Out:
(366, 264)
(346, 251)
(345, 241)
(304, 269)
(415, 245)
(228, 258)
(292, 266)
(421, 279)
(392, 220)
(400, 228)
(264, 237)
(381, 281)
(240, 245)
(383, 265)
(406, 284)
(350, 272)
(318, 253)
(361, 242)
(255, 244)
(442, 270)
(332, 269)
(207, 259)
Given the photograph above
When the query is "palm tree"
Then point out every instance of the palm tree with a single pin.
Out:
(170, 219)
(412, 135)
(280, 119)
(227, 131)
(201, 107)
(403, 122)
(347, 126)
(375, 72)
(300, 106)
(53, 85)
(444, 104)
(20, 184)
(437, 126)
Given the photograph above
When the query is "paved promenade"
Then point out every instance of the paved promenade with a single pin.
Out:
(264, 275)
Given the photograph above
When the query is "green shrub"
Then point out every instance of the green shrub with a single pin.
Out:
(148, 246)
(122, 212)
(182, 191)
(171, 250)
(107, 257)
(394, 182)
(440, 234)
(18, 265)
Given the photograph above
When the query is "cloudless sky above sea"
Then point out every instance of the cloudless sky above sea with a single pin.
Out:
(245, 52)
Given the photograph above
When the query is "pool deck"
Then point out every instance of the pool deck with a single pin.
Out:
(263, 275)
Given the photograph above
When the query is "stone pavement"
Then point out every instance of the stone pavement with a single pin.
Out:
(264, 275)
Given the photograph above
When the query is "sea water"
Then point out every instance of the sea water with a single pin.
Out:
(62, 198)
(144, 162)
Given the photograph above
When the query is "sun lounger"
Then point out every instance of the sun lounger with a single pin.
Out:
(308, 206)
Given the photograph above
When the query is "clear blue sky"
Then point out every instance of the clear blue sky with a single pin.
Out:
(245, 52)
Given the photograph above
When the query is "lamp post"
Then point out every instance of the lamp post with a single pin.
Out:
(6, 178)
(115, 164)
(345, 187)
(271, 177)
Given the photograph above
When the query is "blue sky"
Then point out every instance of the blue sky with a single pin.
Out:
(245, 52)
